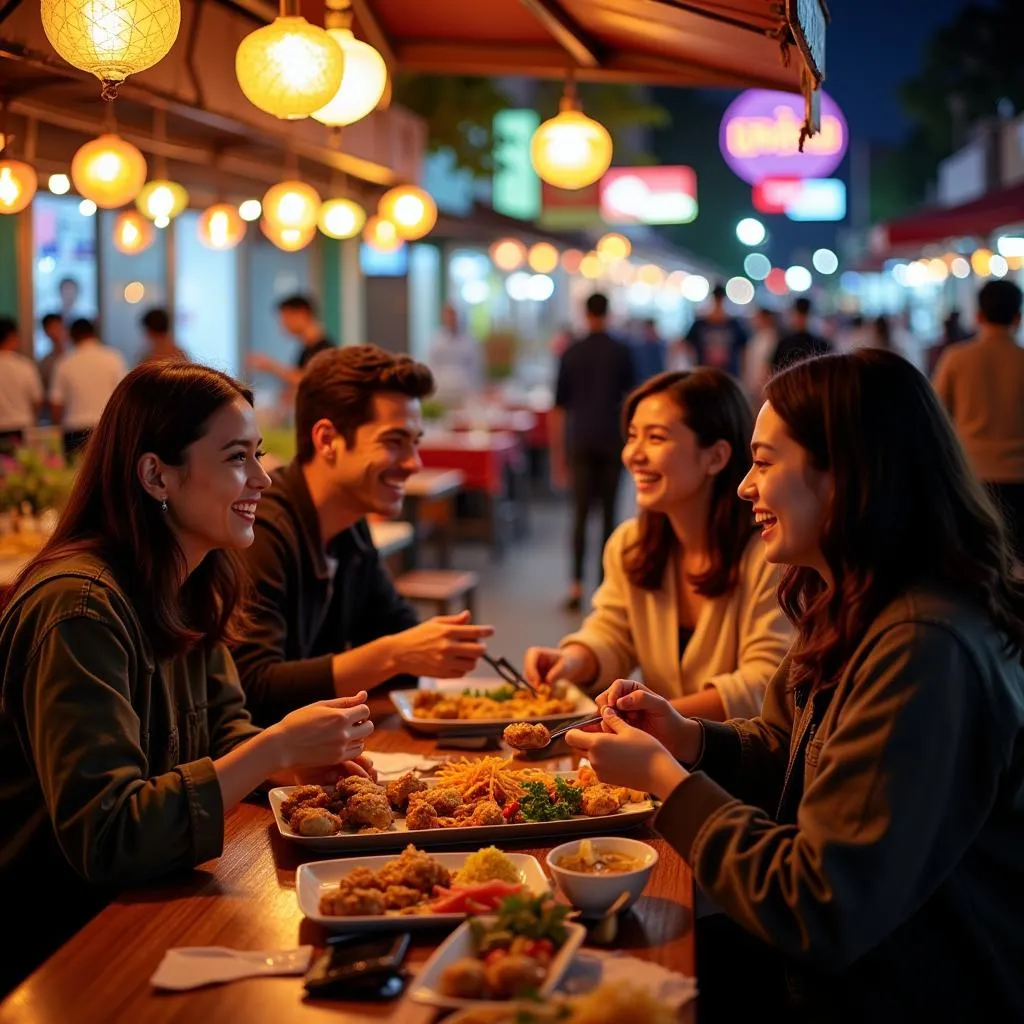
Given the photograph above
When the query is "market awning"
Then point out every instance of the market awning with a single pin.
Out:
(763, 43)
(1003, 208)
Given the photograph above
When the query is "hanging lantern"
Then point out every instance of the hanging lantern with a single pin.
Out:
(291, 204)
(132, 232)
(571, 150)
(18, 184)
(341, 218)
(508, 254)
(109, 171)
(289, 68)
(112, 39)
(365, 76)
(382, 235)
(289, 239)
(220, 227)
(412, 210)
(162, 199)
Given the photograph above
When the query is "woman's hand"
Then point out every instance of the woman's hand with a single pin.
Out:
(328, 775)
(573, 663)
(329, 732)
(644, 709)
(624, 756)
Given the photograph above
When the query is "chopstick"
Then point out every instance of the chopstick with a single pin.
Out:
(510, 674)
(578, 723)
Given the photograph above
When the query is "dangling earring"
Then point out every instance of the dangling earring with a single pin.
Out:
(163, 505)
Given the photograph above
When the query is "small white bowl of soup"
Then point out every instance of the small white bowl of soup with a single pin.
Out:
(592, 873)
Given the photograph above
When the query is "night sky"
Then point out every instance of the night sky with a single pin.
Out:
(873, 46)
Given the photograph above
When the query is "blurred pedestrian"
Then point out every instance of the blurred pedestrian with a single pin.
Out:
(594, 376)
(21, 390)
(718, 338)
(800, 343)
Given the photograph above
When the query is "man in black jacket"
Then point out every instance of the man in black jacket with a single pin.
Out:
(327, 620)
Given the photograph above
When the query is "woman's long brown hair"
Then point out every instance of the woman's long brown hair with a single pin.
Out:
(715, 408)
(162, 408)
(906, 508)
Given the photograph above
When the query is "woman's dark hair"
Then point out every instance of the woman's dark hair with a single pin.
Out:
(905, 509)
(715, 408)
(162, 408)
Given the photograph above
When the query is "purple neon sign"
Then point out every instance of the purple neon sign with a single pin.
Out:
(760, 137)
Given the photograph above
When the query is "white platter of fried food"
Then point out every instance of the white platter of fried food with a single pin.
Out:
(467, 801)
(449, 707)
(413, 890)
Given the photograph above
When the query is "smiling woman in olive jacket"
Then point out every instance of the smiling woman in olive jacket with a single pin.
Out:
(123, 732)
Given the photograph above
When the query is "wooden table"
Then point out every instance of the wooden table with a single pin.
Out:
(246, 900)
(434, 487)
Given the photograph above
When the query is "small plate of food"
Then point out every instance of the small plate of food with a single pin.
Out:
(472, 706)
(413, 890)
(520, 952)
(480, 800)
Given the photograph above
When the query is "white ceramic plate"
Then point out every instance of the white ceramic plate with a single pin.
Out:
(313, 879)
(403, 701)
(626, 817)
(427, 987)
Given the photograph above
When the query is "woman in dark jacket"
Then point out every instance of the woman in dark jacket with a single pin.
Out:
(867, 830)
(123, 733)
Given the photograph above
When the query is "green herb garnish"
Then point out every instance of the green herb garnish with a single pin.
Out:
(537, 804)
(501, 694)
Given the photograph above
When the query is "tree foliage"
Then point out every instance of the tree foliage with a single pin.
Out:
(460, 113)
(972, 66)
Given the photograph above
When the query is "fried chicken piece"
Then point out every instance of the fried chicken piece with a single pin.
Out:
(444, 799)
(524, 736)
(421, 815)
(369, 808)
(446, 709)
(398, 897)
(360, 878)
(415, 869)
(315, 821)
(425, 700)
(599, 800)
(487, 812)
(349, 785)
(402, 789)
(586, 776)
(352, 903)
(451, 823)
(304, 796)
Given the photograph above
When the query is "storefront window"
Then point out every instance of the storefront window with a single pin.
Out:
(131, 285)
(63, 261)
(205, 298)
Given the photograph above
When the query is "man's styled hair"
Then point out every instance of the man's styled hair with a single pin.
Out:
(339, 386)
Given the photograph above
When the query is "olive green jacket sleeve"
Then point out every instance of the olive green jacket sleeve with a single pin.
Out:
(115, 823)
(901, 779)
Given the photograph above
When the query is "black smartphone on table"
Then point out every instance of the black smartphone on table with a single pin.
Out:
(359, 967)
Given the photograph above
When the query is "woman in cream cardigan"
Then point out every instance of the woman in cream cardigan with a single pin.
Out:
(687, 594)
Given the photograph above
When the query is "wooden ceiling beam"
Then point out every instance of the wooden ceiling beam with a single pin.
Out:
(586, 51)
(374, 32)
(549, 62)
